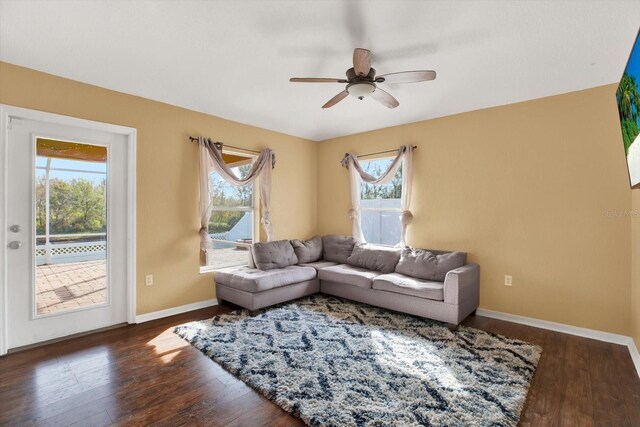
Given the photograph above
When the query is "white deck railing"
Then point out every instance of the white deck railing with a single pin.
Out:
(220, 236)
(56, 253)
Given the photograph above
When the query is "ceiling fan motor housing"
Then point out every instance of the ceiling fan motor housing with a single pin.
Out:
(352, 76)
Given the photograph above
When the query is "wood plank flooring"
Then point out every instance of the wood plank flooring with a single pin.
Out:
(144, 374)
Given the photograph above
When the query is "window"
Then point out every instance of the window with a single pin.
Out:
(380, 206)
(231, 225)
(71, 226)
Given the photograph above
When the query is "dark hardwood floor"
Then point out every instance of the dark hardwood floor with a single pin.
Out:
(144, 374)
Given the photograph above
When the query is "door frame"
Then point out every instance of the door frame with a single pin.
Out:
(6, 111)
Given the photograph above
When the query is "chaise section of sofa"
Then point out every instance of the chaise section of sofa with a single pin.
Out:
(253, 289)
(272, 277)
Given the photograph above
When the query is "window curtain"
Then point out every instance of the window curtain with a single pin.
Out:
(357, 175)
(211, 160)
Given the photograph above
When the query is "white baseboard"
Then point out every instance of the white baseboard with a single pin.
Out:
(558, 327)
(175, 310)
(635, 356)
(568, 329)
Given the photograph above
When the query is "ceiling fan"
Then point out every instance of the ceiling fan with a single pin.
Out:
(362, 81)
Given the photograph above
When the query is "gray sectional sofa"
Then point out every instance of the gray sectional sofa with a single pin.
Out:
(439, 285)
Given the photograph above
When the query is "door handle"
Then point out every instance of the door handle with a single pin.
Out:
(15, 245)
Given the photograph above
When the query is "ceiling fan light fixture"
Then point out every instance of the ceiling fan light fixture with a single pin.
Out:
(361, 90)
(361, 81)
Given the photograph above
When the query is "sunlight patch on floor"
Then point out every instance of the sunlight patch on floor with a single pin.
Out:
(403, 357)
(167, 345)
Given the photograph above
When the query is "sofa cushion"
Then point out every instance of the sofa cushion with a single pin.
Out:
(337, 248)
(401, 284)
(374, 257)
(424, 264)
(254, 280)
(349, 275)
(319, 264)
(271, 255)
(308, 250)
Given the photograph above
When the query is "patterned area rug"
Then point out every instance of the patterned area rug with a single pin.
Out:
(338, 363)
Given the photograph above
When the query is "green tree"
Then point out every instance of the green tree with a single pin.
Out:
(392, 190)
(628, 98)
(223, 221)
(218, 196)
(223, 195)
(89, 206)
(41, 206)
(75, 206)
(61, 209)
(244, 193)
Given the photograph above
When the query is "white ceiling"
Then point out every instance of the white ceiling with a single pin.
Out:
(233, 59)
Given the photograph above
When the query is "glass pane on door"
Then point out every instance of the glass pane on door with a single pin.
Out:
(71, 226)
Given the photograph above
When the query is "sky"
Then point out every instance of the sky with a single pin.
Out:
(633, 157)
(227, 189)
(90, 167)
(370, 165)
(633, 66)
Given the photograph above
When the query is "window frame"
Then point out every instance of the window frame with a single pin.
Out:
(255, 229)
(376, 209)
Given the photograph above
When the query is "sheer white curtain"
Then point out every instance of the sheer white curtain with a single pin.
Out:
(211, 160)
(406, 217)
(354, 212)
(357, 175)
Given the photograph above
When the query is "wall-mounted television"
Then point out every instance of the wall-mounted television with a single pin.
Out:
(628, 97)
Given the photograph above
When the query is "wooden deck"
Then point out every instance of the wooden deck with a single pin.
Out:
(145, 374)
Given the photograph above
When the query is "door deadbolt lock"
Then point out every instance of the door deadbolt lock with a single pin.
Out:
(15, 245)
(15, 228)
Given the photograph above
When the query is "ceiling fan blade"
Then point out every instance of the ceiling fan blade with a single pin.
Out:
(384, 98)
(333, 101)
(315, 80)
(407, 77)
(361, 61)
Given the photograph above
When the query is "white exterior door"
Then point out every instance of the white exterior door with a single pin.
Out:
(65, 273)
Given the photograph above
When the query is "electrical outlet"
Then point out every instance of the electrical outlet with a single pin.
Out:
(148, 280)
(508, 280)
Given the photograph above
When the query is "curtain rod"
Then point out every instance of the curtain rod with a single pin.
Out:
(383, 152)
(222, 145)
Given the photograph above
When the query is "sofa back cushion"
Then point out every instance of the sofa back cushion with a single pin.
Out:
(337, 248)
(429, 265)
(270, 255)
(374, 257)
(308, 250)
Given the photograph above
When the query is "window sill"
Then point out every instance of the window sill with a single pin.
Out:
(384, 245)
(213, 269)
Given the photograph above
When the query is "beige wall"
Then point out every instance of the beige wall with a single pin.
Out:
(523, 188)
(635, 273)
(167, 239)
